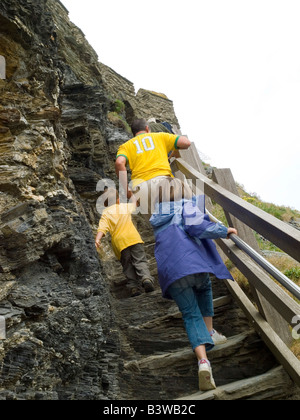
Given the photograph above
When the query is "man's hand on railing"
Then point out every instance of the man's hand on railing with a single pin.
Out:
(231, 231)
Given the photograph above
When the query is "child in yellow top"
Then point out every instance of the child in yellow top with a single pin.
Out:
(126, 242)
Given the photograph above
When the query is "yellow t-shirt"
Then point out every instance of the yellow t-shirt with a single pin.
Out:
(117, 221)
(147, 155)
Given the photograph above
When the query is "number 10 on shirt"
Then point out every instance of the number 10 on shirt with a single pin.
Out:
(148, 144)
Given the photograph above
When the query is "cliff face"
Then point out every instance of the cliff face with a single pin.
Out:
(56, 143)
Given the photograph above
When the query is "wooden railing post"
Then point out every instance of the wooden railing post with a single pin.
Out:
(225, 178)
(192, 157)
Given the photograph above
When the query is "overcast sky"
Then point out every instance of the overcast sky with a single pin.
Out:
(232, 69)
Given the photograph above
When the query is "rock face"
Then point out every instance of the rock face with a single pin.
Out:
(56, 143)
(144, 104)
(53, 139)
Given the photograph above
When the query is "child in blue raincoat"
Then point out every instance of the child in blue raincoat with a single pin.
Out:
(186, 255)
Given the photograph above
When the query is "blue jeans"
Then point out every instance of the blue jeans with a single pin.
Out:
(193, 295)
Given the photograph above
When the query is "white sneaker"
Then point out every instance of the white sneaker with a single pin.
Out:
(218, 338)
(206, 380)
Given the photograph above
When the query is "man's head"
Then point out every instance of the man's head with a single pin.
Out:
(139, 125)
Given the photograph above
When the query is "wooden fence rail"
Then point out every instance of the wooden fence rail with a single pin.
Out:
(276, 231)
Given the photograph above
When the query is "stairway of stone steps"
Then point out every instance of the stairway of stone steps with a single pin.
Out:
(158, 362)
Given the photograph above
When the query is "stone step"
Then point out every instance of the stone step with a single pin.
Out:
(167, 332)
(218, 303)
(156, 309)
(159, 327)
(273, 385)
(153, 306)
(172, 374)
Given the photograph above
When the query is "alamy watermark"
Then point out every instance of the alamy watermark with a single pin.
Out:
(147, 194)
(2, 328)
(296, 329)
(2, 67)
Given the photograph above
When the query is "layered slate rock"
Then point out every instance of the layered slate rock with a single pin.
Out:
(57, 140)
(54, 146)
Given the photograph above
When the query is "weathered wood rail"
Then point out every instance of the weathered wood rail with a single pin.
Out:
(276, 231)
(272, 317)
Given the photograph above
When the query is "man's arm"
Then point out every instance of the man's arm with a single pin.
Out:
(121, 172)
(198, 224)
(183, 143)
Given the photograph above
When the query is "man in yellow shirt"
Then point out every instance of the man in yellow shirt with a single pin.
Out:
(147, 156)
(126, 242)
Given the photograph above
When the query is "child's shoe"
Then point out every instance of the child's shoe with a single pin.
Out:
(148, 285)
(206, 380)
(218, 338)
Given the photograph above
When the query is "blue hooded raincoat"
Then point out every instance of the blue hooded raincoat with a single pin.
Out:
(184, 245)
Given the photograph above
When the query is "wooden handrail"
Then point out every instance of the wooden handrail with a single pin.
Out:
(286, 306)
(285, 357)
(281, 234)
(255, 256)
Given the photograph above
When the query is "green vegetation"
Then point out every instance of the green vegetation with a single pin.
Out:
(119, 107)
(293, 273)
(218, 212)
(264, 244)
(296, 348)
(286, 214)
(117, 116)
(119, 121)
